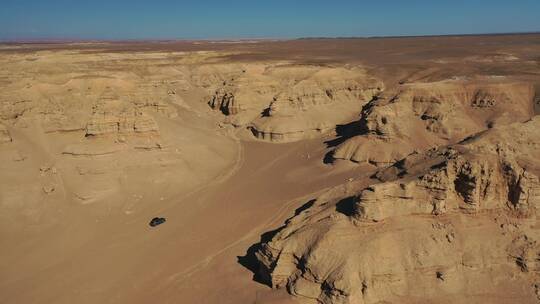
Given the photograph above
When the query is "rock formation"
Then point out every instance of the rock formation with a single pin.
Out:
(113, 116)
(424, 115)
(153, 97)
(244, 97)
(125, 122)
(289, 102)
(443, 223)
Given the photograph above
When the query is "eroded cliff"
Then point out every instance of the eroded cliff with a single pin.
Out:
(444, 224)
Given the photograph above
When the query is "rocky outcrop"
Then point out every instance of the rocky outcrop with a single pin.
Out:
(315, 104)
(155, 97)
(454, 223)
(245, 99)
(243, 93)
(424, 115)
(114, 116)
(125, 122)
(224, 101)
(467, 183)
(293, 102)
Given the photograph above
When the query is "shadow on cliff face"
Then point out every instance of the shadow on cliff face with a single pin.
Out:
(346, 131)
(349, 130)
(346, 206)
(343, 133)
(250, 261)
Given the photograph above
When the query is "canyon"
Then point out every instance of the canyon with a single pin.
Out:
(377, 170)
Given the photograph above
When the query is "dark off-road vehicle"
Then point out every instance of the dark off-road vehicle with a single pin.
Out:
(157, 221)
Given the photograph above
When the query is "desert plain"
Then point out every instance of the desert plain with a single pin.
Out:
(376, 170)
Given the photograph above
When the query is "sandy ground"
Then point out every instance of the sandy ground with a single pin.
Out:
(120, 259)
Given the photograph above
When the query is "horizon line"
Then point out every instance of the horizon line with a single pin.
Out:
(165, 40)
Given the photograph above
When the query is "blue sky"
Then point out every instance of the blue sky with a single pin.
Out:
(167, 19)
